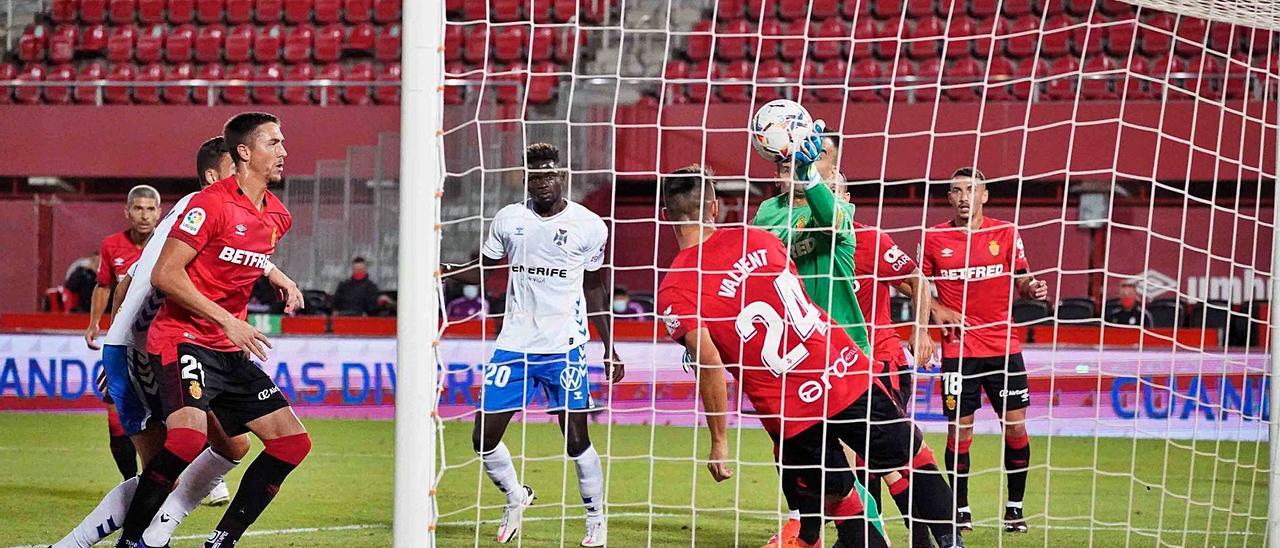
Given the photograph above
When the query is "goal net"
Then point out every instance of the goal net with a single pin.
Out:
(1132, 144)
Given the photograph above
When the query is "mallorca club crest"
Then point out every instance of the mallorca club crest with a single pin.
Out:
(994, 247)
(194, 389)
(951, 403)
(275, 235)
(562, 237)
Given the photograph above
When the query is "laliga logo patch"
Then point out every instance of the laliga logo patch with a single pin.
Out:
(572, 377)
(194, 389)
(192, 221)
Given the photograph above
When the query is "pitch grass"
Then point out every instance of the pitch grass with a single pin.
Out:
(1114, 493)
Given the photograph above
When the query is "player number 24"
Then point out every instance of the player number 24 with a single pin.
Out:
(803, 316)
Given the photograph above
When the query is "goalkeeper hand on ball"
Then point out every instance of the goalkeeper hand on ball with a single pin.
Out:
(805, 173)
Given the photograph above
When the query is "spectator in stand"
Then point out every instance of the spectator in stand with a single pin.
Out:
(469, 306)
(81, 279)
(1130, 311)
(624, 308)
(357, 295)
(265, 299)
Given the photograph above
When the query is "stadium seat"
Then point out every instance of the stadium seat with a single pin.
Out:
(567, 43)
(767, 89)
(1163, 70)
(32, 45)
(507, 83)
(298, 95)
(120, 44)
(541, 49)
(963, 78)
(1121, 37)
(675, 71)
(453, 42)
(267, 95)
(29, 95)
(327, 11)
(887, 9)
(1137, 88)
(62, 44)
(825, 9)
(1031, 312)
(1021, 37)
(119, 94)
(239, 44)
(239, 12)
(500, 11)
(794, 10)
(1096, 86)
(297, 44)
(1014, 9)
(1024, 73)
(856, 10)
(697, 91)
(473, 10)
(543, 85)
(122, 12)
(328, 44)
(961, 34)
(1236, 84)
(179, 44)
(151, 12)
(698, 45)
(7, 72)
(387, 48)
(902, 73)
(1158, 39)
(756, 7)
(886, 46)
(792, 46)
(93, 39)
(298, 11)
(59, 95)
(1165, 312)
(238, 94)
(361, 38)
(1223, 37)
(148, 95)
(925, 38)
(864, 38)
(84, 95)
(210, 11)
(1208, 76)
(732, 43)
(983, 8)
(1056, 38)
(1192, 35)
(918, 9)
(212, 71)
(358, 95)
(358, 11)
(927, 86)
(180, 11)
(150, 45)
(390, 94)
(1063, 82)
(454, 94)
(541, 11)
(827, 42)
(63, 11)
(209, 41)
(735, 70)
(267, 44)
(268, 11)
(330, 95)
(93, 11)
(1114, 8)
(999, 73)
(565, 10)
(178, 95)
(1087, 39)
(475, 47)
(508, 43)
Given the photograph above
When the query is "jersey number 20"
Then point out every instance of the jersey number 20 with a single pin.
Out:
(802, 315)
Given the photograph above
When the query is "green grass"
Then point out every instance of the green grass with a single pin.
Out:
(1114, 493)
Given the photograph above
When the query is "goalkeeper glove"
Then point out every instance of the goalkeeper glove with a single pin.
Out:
(805, 173)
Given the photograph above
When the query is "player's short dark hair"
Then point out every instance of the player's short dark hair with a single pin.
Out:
(685, 190)
(209, 156)
(240, 128)
(358, 259)
(620, 290)
(970, 172)
(542, 155)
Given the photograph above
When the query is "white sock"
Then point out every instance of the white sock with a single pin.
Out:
(964, 509)
(590, 481)
(194, 484)
(498, 465)
(793, 514)
(1012, 504)
(104, 519)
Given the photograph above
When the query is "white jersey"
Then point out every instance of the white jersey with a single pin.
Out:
(546, 309)
(141, 302)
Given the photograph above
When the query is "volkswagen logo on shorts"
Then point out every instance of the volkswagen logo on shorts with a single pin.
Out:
(572, 377)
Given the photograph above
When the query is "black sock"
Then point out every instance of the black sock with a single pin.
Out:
(932, 501)
(958, 473)
(125, 455)
(260, 484)
(872, 486)
(1016, 460)
(855, 532)
(901, 494)
(154, 485)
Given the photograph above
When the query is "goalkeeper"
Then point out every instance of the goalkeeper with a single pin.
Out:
(818, 229)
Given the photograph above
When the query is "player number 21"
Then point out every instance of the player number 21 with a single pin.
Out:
(802, 314)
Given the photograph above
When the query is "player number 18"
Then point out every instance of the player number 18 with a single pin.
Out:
(951, 384)
(802, 314)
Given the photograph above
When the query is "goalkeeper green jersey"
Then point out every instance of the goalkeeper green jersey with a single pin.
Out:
(820, 237)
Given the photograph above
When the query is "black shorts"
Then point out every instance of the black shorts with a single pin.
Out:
(227, 383)
(1004, 378)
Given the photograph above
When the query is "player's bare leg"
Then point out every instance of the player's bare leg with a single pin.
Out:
(1017, 458)
(486, 439)
(590, 474)
(959, 439)
(204, 475)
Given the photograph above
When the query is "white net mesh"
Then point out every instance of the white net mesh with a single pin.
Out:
(1133, 145)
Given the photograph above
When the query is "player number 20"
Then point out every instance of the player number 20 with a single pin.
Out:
(497, 375)
(802, 314)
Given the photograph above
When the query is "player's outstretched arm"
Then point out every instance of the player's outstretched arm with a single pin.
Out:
(170, 277)
(469, 272)
(97, 305)
(714, 392)
(117, 296)
(595, 285)
(917, 287)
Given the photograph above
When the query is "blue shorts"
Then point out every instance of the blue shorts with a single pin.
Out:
(511, 378)
(121, 366)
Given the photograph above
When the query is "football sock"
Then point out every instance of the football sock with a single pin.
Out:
(590, 480)
(195, 483)
(260, 484)
(958, 469)
(793, 514)
(855, 532)
(104, 519)
(126, 457)
(500, 469)
(931, 501)
(180, 447)
(1017, 455)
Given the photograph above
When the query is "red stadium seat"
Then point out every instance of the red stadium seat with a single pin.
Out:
(148, 95)
(298, 95)
(390, 94)
(475, 11)
(887, 41)
(734, 42)
(1257, 41)
(1094, 84)
(756, 7)
(1192, 34)
(901, 80)
(697, 91)
(736, 70)
(455, 94)
(983, 8)
(63, 11)
(29, 94)
(93, 38)
(1158, 39)
(239, 12)
(387, 48)
(1024, 73)
(179, 44)
(769, 43)
(767, 89)
(476, 43)
(210, 11)
(856, 10)
(238, 95)
(151, 12)
(298, 11)
(33, 43)
(794, 10)
(328, 11)
(865, 80)
(1120, 37)
(508, 43)
(328, 45)
(268, 95)
(93, 11)
(239, 44)
(542, 48)
(181, 11)
(268, 11)
(356, 11)
(62, 44)
(824, 9)
(1223, 37)
(453, 42)
(209, 43)
(864, 37)
(729, 10)
(961, 35)
(674, 91)
(1087, 39)
(120, 44)
(1136, 88)
(567, 42)
(1114, 8)
(917, 9)
(150, 45)
(297, 44)
(1056, 38)
(827, 42)
(504, 11)
(1209, 76)
(998, 86)
(1062, 85)
(541, 11)
(508, 83)
(119, 94)
(925, 38)
(122, 12)
(927, 87)
(1022, 37)
(201, 94)
(887, 9)
(964, 79)
(7, 72)
(698, 46)
(358, 95)
(330, 95)
(793, 47)
(267, 44)
(361, 37)
(85, 95)
(178, 95)
(59, 95)
(1237, 84)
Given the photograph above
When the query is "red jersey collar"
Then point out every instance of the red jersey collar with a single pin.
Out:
(987, 222)
(231, 187)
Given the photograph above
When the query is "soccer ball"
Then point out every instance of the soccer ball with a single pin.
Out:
(779, 128)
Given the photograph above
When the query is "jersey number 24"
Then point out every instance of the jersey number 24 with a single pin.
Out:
(800, 313)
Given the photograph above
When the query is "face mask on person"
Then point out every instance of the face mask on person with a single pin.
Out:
(620, 305)
(470, 292)
(1128, 302)
(359, 275)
